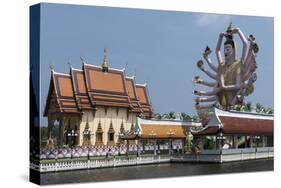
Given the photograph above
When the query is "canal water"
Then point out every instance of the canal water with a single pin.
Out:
(155, 171)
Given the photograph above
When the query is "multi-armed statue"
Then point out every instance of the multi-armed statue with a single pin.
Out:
(232, 79)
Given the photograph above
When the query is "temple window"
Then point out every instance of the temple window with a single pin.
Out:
(111, 133)
(99, 134)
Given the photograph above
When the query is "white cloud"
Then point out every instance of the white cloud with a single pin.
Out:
(212, 19)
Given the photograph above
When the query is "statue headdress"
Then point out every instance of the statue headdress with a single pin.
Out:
(229, 36)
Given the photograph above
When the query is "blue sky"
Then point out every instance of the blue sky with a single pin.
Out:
(160, 47)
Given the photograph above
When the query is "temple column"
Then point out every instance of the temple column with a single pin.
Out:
(61, 132)
(183, 146)
(251, 142)
(155, 141)
(264, 141)
(246, 144)
(50, 126)
(127, 144)
(235, 142)
(219, 142)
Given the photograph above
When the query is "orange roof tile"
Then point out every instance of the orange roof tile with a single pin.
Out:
(61, 87)
(110, 84)
(143, 97)
(131, 88)
(80, 91)
(90, 87)
(164, 131)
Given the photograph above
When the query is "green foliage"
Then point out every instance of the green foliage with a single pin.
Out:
(172, 115)
(248, 107)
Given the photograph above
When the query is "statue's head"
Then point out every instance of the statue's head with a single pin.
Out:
(229, 45)
(229, 50)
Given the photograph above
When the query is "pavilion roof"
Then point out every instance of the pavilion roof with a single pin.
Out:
(237, 123)
(161, 129)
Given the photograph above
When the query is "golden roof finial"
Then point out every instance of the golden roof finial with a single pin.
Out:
(82, 59)
(68, 62)
(229, 29)
(51, 67)
(104, 64)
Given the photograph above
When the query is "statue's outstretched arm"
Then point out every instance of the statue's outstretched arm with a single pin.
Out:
(218, 48)
(250, 62)
(210, 74)
(208, 106)
(213, 67)
(198, 80)
(205, 99)
(244, 41)
(208, 93)
(206, 54)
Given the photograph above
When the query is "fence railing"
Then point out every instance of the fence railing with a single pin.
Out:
(73, 164)
(227, 155)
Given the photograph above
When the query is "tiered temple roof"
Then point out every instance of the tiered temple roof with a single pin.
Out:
(97, 86)
(237, 123)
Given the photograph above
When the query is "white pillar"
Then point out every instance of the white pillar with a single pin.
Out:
(235, 142)
(251, 142)
(264, 141)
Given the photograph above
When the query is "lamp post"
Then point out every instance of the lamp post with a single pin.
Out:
(257, 139)
(137, 133)
(189, 140)
(220, 137)
(119, 136)
(72, 134)
(152, 135)
(170, 133)
(87, 137)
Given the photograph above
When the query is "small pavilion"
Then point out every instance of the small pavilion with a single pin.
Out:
(233, 129)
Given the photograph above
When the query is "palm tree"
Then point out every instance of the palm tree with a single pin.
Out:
(237, 107)
(157, 116)
(185, 117)
(259, 108)
(171, 115)
(165, 116)
(269, 111)
(249, 107)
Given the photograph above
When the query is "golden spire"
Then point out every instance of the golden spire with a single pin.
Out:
(229, 30)
(104, 64)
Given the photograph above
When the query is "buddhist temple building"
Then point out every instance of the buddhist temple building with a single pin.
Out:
(233, 129)
(94, 104)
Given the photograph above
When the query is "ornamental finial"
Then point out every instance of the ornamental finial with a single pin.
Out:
(104, 64)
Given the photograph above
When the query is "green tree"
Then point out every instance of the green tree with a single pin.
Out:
(185, 117)
(249, 107)
(171, 115)
(259, 108)
(158, 116)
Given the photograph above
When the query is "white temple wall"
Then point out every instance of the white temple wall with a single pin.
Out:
(106, 115)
